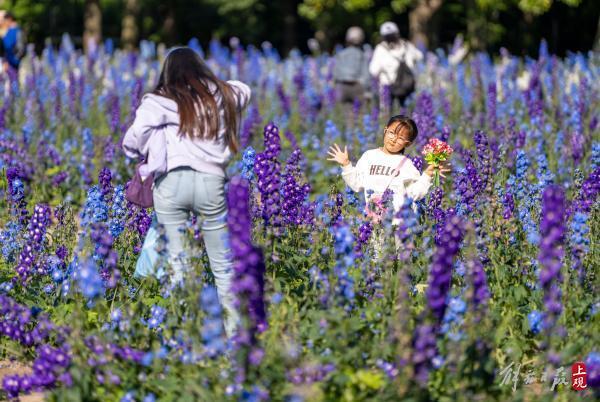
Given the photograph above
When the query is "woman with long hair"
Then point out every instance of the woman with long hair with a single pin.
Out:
(187, 131)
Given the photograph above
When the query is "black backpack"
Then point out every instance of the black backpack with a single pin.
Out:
(404, 84)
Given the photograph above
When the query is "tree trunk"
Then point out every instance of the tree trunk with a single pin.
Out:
(168, 28)
(129, 28)
(596, 45)
(289, 25)
(92, 24)
(475, 26)
(418, 20)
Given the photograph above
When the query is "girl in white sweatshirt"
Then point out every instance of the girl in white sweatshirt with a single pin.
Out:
(387, 167)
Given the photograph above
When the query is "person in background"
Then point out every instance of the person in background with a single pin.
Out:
(393, 64)
(13, 41)
(2, 32)
(351, 71)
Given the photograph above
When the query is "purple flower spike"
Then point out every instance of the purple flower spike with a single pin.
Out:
(552, 231)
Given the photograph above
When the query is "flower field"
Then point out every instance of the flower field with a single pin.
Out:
(493, 294)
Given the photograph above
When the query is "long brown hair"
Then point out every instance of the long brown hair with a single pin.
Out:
(186, 79)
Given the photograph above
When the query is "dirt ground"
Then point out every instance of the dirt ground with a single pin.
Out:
(9, 368)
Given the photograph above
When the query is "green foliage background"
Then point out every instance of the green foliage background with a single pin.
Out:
(518, 25)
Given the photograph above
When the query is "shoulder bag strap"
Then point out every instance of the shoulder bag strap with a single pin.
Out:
(402, 162)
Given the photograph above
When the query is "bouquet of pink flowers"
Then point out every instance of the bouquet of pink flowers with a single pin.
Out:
(435, 152)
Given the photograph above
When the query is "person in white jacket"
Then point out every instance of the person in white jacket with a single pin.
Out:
(386, 60)
(186, 130)
(387, 167)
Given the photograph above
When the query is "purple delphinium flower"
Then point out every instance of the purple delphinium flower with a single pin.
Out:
(424, 117)
(484, 156)
(60, 178)
(49, 369)
(252, 120)
(481, 293)
(417, 161)
(441, 268)
(424, 350)
(336, 205)
(552, 231)
(445, 134)
(588, 194)
(592, 362)
(440, 276)
(114, 113)
(435, 203)
(491, 107)
(286, 103)
(16, 186)
(249, 266)
(36, 237)
(17, 323)
(509, 204)
(104, 178)
(309, 373)
(267, 170)
(104, 254)
(294, 193)
(364, 234)
(39, 223)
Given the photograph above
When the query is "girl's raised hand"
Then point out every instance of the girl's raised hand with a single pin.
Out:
(339, 156)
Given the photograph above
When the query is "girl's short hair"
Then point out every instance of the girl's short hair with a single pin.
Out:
(406, 123)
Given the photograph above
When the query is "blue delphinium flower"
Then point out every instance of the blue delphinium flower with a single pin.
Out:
(213, 334)
(95, 209)
(248, 163)
(157, 316)
(9, 237)
(351, 197)
(523, 191)
(535, 321)
(579, 241)
(149, 398)
(454, 318)
(595, 155)
(118, 212)
(344, 250)
(89, 280)
(129, 397)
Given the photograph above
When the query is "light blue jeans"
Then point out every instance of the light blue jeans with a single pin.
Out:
(177, 194)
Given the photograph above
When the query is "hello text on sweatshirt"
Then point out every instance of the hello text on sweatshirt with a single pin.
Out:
(377, 171)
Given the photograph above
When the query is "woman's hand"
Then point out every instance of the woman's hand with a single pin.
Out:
(339, 156)
(443, 167)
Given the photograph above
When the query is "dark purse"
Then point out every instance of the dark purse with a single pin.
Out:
(139, 192)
